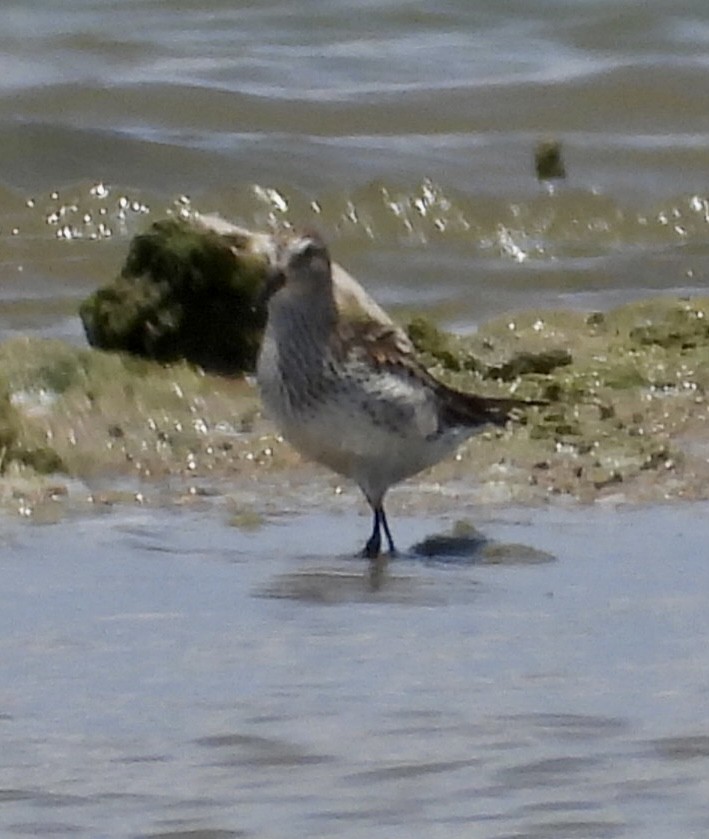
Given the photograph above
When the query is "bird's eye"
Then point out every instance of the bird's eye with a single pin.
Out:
(305, 256)
(309, 251)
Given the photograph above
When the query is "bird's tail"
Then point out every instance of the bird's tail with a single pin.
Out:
(467, 409)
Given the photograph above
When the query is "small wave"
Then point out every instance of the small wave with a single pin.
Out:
(550, 225)
(574, 223)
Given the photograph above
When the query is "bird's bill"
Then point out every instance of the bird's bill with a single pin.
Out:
(274, 280)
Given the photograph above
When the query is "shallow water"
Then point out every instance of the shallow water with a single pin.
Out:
(167, 676)
(405, 132)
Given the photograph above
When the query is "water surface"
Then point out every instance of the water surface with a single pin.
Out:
(166, 675)
(404, 131)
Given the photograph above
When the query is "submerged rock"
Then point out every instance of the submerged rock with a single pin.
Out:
(185, 292)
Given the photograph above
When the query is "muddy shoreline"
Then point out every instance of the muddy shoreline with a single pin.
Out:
(626, 421)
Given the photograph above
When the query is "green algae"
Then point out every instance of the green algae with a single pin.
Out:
(183, 293)
(465, 542)
(105, 416)
(523, 363)
(627, 416)
(627, 390)
(439, 347)
(19, 446)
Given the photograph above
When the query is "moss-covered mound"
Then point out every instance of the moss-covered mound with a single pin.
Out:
(89, 413)
(183, 293)
(627, 392)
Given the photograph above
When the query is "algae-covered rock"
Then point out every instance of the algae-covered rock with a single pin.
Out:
(185, 292)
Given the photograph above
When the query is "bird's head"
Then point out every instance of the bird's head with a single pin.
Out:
(302, 266)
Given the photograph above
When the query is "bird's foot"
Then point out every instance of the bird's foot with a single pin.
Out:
(375, 552)
(373, 548)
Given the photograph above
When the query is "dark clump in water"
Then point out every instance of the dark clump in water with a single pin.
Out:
(548, 161)
(467, 545)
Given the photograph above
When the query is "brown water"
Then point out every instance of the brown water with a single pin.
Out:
(165, 675)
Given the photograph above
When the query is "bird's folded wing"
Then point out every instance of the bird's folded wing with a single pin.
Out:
(388, 351)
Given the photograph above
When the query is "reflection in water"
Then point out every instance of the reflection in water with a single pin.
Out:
(377, 569)
(396, 579)
(332, 586)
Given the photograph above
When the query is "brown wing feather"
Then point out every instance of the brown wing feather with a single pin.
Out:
(459, 408)
(387, 347)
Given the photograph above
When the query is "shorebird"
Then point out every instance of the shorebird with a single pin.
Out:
(342, 382)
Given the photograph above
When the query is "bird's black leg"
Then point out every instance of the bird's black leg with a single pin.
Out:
(374, 544)
(385, 524)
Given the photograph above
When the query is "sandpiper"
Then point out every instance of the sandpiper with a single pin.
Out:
(342, 382)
